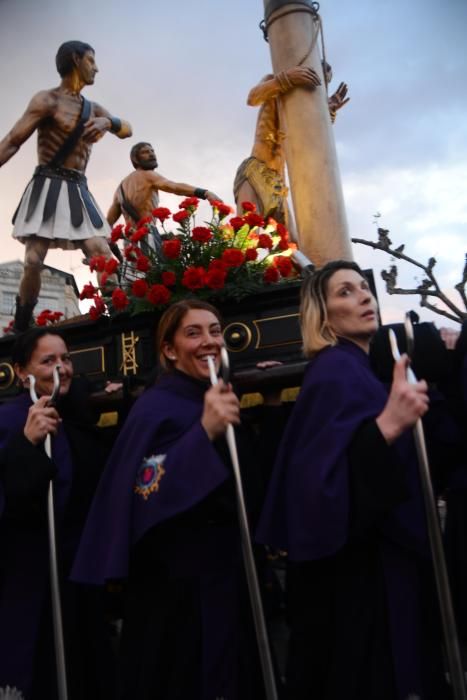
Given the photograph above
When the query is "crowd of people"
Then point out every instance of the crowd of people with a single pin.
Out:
(155, 601)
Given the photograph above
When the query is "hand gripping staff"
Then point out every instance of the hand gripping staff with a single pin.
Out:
(248, 558)
(54, 581)
(434, 533)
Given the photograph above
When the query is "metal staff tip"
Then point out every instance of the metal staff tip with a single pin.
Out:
(55, 390)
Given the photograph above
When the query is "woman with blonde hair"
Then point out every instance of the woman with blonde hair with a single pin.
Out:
(345, 503)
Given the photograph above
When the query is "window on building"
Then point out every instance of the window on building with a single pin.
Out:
(44, 302)
(8, 303)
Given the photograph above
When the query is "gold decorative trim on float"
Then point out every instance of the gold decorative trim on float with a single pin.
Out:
(129, 364)
(7, 376)
(262, 326)
(237, 336)
(98, 348)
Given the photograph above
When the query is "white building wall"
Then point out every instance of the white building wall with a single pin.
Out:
(55, 294)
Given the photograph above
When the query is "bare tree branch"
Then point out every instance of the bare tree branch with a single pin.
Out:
(428, 287)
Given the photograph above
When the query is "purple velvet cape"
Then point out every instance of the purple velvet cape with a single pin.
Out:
(307, 506)
(164, 421)
(24, 560)
(306, 510)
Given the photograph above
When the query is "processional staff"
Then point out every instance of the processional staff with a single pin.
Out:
(53, 562)
(451, 641)
(247, 549)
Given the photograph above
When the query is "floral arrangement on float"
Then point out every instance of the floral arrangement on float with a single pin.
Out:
(44, 318)
(224, 259)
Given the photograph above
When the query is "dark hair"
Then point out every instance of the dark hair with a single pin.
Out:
(65, 53)
(170, 322)
(27, 342)
(316, 332)
(135, 150)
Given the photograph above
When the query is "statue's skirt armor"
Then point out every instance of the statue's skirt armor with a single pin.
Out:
(58, 206)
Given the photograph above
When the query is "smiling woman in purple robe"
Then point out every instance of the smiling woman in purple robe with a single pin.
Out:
(344, 502)
(165, 518)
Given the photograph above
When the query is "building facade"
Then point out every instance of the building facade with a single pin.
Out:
(59, 292)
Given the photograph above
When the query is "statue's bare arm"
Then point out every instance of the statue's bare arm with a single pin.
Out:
(181, 188)
(115, 211)
(41, 106)
(101, 122)
(272, 86)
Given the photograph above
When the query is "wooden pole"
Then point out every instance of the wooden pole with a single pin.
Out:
(293, 30)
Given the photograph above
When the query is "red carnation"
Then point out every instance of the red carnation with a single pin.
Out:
(283, 264)
(237, 222)
(202, 234)
(282, 231)
(265, 241)
(161, 213)
(189, 202)
(111, 266)
(169, 278)
(104, 278)
(194, 277)
(223, 209)
(119, 299)
(283, 245)
(271, 275)
(88, 291)
(98, 309)
(130, 253)
(158, 294)
(217, 264)
(172, 248)
(94, 313)
(116, 233)
(143, 264)
(215, 279)
(251, 254)
(97, 262)
(181, 215)
(139, 288)
(139, 234)
(128, 229)
(253, 219)
(248, 206)
(142, 222)
(233, 257)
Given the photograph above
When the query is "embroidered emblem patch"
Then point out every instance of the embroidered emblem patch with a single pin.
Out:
(149, 475)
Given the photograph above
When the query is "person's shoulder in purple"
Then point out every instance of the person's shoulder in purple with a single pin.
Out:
(162, 464)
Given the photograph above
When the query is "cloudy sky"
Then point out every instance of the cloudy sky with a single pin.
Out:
(180, 73)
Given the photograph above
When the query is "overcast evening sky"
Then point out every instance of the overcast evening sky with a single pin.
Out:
(180, 73)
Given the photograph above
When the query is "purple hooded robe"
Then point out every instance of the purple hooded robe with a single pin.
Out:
(312, 507)
(24, 568)
(161, 517)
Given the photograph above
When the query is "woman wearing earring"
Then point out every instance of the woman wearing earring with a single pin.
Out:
(345, 502)
(26, 640)
(165, 517)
